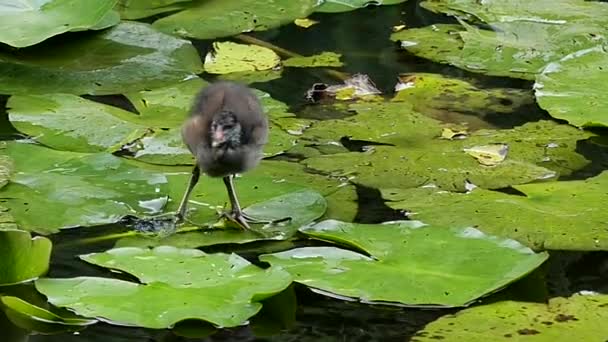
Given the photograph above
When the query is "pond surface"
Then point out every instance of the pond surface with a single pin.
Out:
(363, 40)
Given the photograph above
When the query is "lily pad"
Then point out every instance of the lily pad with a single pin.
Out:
(126, 58)
(228, 57)
(517, 49)
(21, 257)
(557, 12)
(324, 59)
(432, 265)
(335, 6)
(71, 123)
(137, 9)
(281, 187)
(537, 151)
(458, 100)
(580, 318)
(56, 189)
(34, 318)
(221, 18)
(573, 88)
(569, 212)
(25, 23)
(168, 106)
(223, 289)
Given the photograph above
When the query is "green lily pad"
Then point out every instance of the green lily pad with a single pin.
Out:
(71, 123)
(228, 57)
(324, 59)
(34, 318)
(557, 12)
(21, 257)
(517, 49)
(273, 190)
(56, 189)
(162, 147)
(126, 58)
(578, 318)
(221, 18)
(440, 43)
(432, 265)
(573, 88)
(335, 6)
(456, 100)
(25, 23)
(223, 289)
(137, 9)
(537, 151)
(570, 216)
(166, 107)
(250, 77)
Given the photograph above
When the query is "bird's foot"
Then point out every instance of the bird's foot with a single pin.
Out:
(243, 220)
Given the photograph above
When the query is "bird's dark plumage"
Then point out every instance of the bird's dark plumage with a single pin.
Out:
(232, 107)
(226, 132)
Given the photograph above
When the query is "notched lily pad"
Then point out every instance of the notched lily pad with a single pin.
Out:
(223, 289)
(569, 211)
(21, 257)
(434, 266)
(71, 123)
(25, 23)
(126, 58)
(56, 189)
(574, 88)
(212, 19)
(33, 318)
(324, 59)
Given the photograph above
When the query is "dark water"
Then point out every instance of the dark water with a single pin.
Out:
(363, 39)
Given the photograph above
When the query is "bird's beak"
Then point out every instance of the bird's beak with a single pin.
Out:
(218, 138)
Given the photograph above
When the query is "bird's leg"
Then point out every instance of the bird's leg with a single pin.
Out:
(237, 215)
(183, 205)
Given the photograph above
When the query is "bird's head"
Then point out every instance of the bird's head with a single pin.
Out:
(225, 130)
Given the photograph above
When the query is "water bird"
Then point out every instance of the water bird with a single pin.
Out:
(226, 132)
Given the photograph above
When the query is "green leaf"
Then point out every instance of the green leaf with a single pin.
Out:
(56, 189)
(573, 88)
(324, 59)
(537, 151)
(221, 18)
(34, 318)
(137, 9)
(578, 318)
(168, 106)
(432, 265)
(456, 100)
(25, 23)
(126, 58)
(569, 215)
(21, 257)
(228, 57)
(283, 188)
(223, 289)
(335, 6)
(71, 123)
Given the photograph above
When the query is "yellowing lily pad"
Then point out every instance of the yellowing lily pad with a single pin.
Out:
(228, 57)
(577, 318)
(488, 155)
